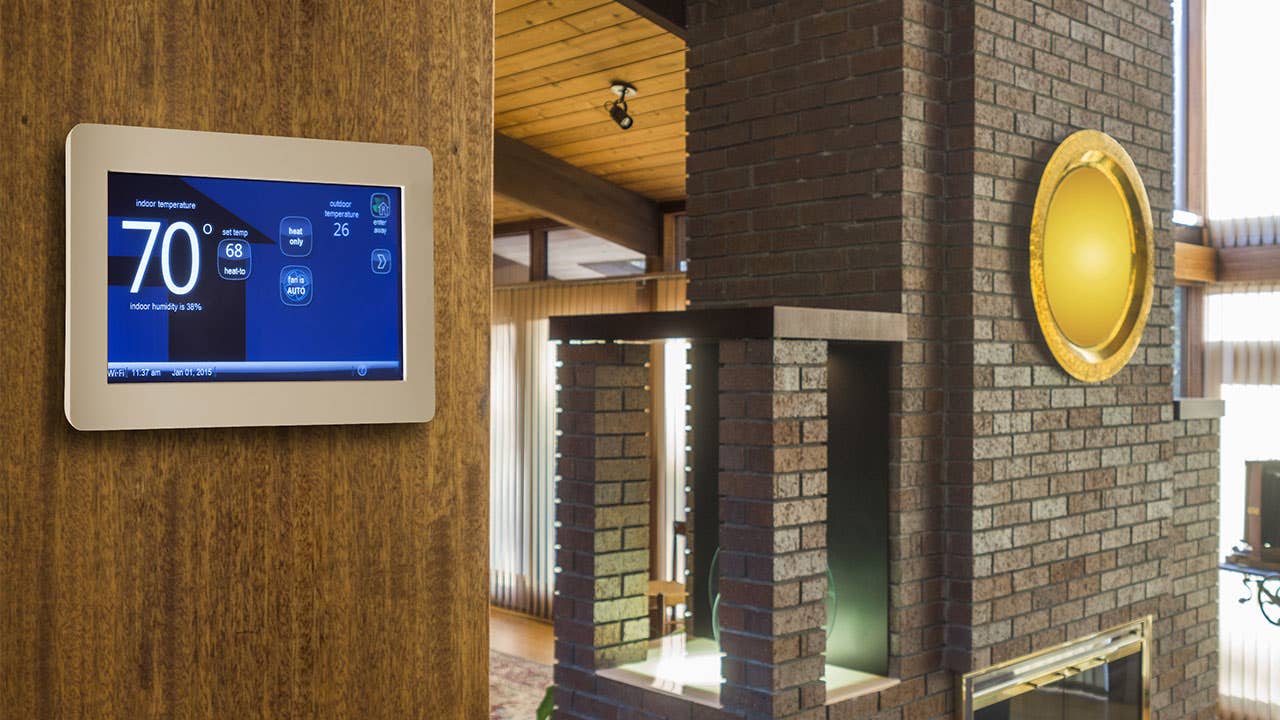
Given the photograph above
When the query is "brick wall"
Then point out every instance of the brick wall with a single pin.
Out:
(1187, 648)
(773, 530)
(885, 155)
(794, 169)
(1071, 483)
(602, 540)
(844, 209)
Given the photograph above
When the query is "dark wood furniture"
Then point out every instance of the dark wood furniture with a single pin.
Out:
(1262, 513)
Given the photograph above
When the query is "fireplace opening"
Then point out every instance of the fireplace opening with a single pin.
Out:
(1101, 677)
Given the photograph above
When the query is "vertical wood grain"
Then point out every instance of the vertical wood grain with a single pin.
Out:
(260, 572)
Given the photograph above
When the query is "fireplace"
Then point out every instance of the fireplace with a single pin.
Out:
(1100, 677)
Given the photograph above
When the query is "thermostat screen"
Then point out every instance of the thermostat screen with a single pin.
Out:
(214, 279)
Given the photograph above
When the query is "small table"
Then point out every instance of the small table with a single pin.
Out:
(1265, 584)
(663, 595)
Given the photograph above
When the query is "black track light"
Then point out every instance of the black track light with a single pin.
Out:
(618, 111)
(618, 108)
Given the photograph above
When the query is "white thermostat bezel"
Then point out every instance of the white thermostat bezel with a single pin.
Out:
(91, 403)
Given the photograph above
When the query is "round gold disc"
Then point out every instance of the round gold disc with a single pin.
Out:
(1092, 256)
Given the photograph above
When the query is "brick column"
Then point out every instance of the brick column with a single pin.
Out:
(601, 605)
(773, 532)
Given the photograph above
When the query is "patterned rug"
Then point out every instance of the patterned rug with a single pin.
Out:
(516, 686)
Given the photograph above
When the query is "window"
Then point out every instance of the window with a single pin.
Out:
(1242, 145)
(1242, 317)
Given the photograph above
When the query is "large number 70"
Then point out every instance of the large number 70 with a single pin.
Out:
(153, 227)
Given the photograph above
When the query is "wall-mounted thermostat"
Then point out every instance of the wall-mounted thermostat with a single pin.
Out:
(218, 280)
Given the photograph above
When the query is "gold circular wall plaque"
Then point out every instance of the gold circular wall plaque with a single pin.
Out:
(1092, 256)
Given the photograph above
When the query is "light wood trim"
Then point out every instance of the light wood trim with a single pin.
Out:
(664, 190)
(555, 31)
(597, 124)
(658, 160)
(501, 6)
(577, 47)
(575, 197)
(536, 13)
(547, 131)
(1194, 263)
(1258, 263)
(640, 137)
(625, 150)
(1193, 342)
(590, 64)
(596, 84)
(673, 175)
(552, 106)
(1195, 125)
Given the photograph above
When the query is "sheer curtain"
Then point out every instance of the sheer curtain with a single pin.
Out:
(1241, 337)
(1249, 647)
(1242, 143)
(1242, 366)
(523, 427)
(521, 466)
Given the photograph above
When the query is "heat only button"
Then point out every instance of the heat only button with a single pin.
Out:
(295, 236)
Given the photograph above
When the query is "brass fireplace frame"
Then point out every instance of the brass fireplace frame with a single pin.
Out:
(983, 688)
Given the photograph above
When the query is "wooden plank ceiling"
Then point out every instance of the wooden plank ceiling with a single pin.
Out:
(554, 61)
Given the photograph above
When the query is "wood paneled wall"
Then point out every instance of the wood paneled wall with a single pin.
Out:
(322, 572)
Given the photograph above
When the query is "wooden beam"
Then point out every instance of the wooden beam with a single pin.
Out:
(1191, 234)
(1258, 263)
(576, 197)
(523, 227)
(537, 255)
(1194, 263)
(669, 256)
(666, 14)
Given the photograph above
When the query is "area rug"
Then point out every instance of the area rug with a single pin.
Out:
(516, 686)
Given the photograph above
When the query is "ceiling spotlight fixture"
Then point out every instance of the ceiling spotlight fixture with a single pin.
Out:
(618, 108)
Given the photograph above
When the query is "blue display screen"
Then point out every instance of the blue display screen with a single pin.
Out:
(214, 279)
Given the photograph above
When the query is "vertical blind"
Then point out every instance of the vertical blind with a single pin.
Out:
(670, 441)
(1242, 145)
(1248, 662)
(522, 423)
(1242, 336)
(1249, 656)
